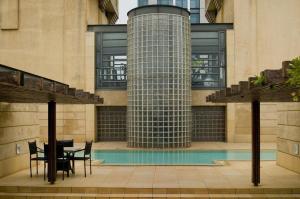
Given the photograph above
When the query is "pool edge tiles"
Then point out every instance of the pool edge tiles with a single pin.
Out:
(176, 157)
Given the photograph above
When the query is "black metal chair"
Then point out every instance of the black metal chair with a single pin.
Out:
(46, 151)
(34, 151)
(87, 155)
(66, 143)
(62, 161)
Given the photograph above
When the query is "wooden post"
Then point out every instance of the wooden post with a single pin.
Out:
(255, 142)
(52, 141)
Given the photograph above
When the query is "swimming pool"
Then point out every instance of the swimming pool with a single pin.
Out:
(174, 157)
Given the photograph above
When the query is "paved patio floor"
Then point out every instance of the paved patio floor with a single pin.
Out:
(237, 174)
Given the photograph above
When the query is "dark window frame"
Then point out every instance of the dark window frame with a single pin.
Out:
(161, 2)
(143, 2)
(194, 28)
(183, 3)
(221, 52)
(105, 78)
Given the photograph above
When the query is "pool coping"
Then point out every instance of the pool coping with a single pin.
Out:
(215, 162)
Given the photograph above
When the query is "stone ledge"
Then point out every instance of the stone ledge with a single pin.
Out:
(122, 190)
(286, 146)
(288, 161)
(94, 196)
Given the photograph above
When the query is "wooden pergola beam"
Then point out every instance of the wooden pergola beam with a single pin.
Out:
(17, 86)
(274, 89)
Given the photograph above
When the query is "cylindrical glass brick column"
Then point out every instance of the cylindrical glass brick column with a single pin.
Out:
(159, 77)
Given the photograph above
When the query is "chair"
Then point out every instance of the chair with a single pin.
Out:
(46, 151)
(86, 156)
(62, 161)
(34, 150)
(66, 143)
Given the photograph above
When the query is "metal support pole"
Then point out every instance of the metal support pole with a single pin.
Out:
(255, 142)
(51, 142)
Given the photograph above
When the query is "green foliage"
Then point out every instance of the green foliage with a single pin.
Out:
(294, 72)
(197, 62)
(259, 81)
(294, 77)
(295, 96)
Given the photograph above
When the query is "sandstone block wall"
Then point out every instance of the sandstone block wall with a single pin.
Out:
(47, 38)
(19, 124)
(288, 140)
(257, 43)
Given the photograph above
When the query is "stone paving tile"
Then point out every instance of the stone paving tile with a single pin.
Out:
(166, 179)
(225, 176)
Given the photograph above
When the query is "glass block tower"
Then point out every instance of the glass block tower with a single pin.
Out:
(159, 77)
(196, 7)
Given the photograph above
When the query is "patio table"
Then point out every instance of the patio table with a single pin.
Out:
(71, 153)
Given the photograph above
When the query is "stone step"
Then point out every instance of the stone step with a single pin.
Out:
(127, 190)
(117, 196)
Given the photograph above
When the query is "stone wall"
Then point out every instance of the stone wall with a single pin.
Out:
(256, 44)
(18, 125)
(72, 122)
(288, 141)
(242, 122)
(50, 39)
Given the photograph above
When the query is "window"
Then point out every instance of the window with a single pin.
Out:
(181, 3)
(111, 60)
(195, 11)
(195, 4)
(142, 2)
(208, 123)
(208, 60)
(165, 2)
(195, 18)
(111, 123)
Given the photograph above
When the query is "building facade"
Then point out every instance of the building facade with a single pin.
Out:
(62, 40)
(196, 7)
(208, 64)
(266, 32)
(50, 39)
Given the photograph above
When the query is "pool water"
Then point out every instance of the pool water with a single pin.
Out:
(174, 157)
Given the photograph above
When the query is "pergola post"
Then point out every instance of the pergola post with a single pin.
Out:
(51, 141)
(255, 142)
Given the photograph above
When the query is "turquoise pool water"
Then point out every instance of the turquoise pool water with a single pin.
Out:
(174, 157)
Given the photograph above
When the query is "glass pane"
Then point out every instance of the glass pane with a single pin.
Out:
(113, 43)
(206, 42)
(107, 36)
(142, 2)
(195, 18)
(165, 2)
(194, 4)
(181, 3)
(112, 61)
(204, 35)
